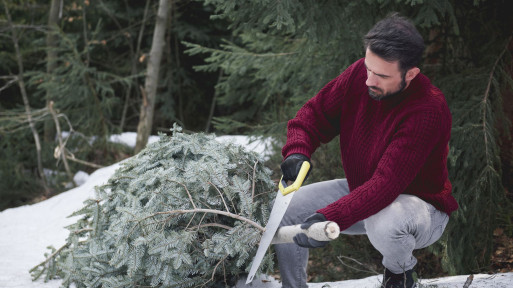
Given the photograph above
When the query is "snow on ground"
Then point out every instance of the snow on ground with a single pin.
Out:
(26, 231)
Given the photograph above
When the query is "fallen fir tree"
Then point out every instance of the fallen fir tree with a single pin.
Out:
(186, 211)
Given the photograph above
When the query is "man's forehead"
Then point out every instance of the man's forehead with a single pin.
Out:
(380, 66)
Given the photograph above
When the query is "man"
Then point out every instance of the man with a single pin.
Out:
(394, 128)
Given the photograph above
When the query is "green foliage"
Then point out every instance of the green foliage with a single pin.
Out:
(475, 169)
(17, 186)
(269, 72)
(101, 52)
(83, 92)
(184, 212)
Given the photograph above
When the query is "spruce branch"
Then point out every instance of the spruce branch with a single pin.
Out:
(486, 95)
(48, 259)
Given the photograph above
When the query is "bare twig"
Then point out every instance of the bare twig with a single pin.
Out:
(61, 144)
(72, 158)
(253, 184)
(9, 83)
(357, 262)
(190, 221)
(211, 225)
(253, 188)
(186, 190)
(201, 220)
(215, 269)
(220, 194)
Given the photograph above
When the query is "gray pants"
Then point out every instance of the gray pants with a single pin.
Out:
(408, 223)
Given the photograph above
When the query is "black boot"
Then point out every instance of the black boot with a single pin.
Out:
(403, 280)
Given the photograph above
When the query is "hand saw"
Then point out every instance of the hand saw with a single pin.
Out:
(281, 203)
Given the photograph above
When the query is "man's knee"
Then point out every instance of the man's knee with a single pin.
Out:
(407, 221)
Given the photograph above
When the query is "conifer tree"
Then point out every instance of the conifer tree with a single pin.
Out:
(186, 211)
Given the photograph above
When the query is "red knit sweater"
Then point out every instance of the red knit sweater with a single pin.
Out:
(398, 145)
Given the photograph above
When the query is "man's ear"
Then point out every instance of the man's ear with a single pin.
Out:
(412, 73)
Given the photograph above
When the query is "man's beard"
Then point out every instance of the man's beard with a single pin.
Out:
(381, 95)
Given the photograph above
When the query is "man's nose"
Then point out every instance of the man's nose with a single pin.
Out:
(371, 80)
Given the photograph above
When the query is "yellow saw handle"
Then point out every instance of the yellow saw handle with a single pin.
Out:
(286, 189)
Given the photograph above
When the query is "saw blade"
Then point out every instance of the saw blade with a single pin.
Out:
(280, 206)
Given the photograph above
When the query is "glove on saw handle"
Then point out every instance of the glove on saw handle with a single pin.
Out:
(320, 231)
(291, 166)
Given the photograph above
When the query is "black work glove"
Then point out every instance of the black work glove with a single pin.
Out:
(304, 241)
(291, 165)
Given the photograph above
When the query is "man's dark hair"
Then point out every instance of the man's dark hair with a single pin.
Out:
(395, 38)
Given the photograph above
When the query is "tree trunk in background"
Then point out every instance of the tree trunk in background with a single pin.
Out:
(51, 56)
(28, 110)
(152, 76)
(135, 57)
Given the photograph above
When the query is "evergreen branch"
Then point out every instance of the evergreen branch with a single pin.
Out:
(40, 28)
(113, 257)
(212, 211)
(487, 93)
(53, 255)
(82, 230)
(16, 121)
(201, 49)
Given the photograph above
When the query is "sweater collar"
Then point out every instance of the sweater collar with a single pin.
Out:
(406, 93)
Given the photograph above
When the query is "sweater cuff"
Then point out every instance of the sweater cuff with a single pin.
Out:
(298, 150)
(332, 214)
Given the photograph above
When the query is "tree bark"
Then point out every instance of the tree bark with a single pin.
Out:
(152, 76)
(26, 103)
(51, 57)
